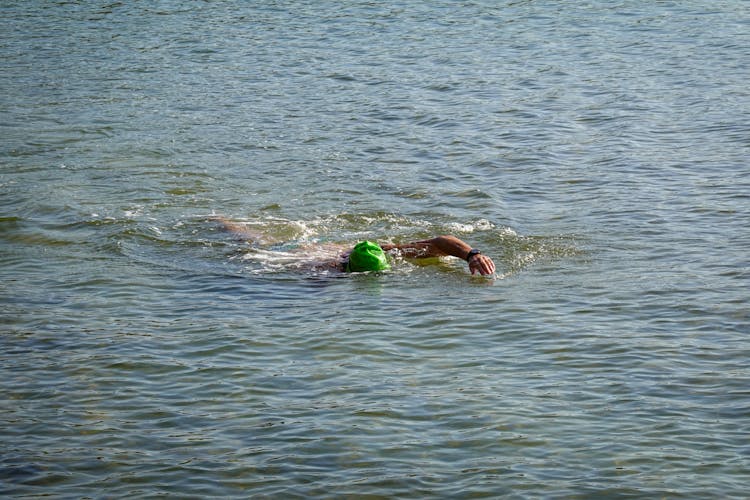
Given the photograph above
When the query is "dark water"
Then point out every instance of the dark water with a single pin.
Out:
(598, 151)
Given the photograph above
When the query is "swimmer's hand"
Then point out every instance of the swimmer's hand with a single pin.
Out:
(481, 264)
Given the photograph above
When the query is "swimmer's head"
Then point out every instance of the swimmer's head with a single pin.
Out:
(367, 256)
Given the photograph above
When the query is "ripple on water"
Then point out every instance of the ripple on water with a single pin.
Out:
(597, 154)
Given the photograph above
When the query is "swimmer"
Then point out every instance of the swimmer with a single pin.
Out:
(370, 256)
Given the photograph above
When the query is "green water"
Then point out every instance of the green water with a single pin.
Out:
(597, 151)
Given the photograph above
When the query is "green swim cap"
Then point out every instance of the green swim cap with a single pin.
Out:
(367, 256)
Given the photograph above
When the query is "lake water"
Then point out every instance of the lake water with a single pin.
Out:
(598, 151)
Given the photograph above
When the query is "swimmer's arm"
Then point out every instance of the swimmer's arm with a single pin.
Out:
(230, 226)
(241, 231)
(445, 245)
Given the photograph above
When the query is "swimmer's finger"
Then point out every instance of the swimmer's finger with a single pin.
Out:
(486, 266)
(490, 266)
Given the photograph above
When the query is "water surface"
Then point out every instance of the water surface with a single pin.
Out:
(597, 151)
